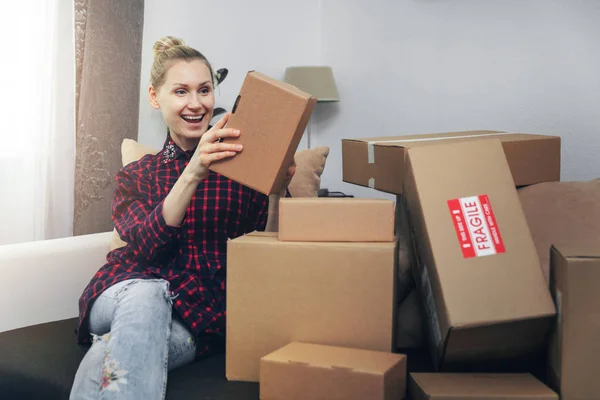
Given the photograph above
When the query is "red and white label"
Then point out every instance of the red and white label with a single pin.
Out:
(476, 226)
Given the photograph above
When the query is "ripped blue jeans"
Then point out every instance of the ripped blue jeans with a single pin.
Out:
(135, 343)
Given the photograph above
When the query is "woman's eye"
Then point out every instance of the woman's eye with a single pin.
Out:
(205, 90)
(180, 92)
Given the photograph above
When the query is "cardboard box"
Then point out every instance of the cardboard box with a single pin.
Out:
(271, 116)
(338, 294)
(575, 340)
(336, 220)
(307, 371)
(426, 386)
(379, 162)
(475, 262)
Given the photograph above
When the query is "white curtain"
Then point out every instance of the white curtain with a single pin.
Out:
(37, 117)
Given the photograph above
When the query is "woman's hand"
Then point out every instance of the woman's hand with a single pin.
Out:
(207, 152)
(290, 174)
(210, 149)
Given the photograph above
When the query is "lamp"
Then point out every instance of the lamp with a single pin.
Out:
(318, 81)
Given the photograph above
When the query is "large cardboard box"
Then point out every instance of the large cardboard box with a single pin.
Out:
(575, 340)
(271, 116)
(305, 371)
(336, 220)
(425, 386)
(339, 294)
(378, 162)
(475, 262)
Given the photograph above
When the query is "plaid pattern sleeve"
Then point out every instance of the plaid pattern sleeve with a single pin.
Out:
(259, 209)
(141, 226)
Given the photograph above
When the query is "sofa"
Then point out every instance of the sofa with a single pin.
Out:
(40, 283)
(40, 286)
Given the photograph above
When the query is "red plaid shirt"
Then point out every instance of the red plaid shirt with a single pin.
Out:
(191, 257)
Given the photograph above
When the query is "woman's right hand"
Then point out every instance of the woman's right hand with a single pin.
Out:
(210, 150)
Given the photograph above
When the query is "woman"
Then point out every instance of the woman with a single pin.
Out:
(159, 302)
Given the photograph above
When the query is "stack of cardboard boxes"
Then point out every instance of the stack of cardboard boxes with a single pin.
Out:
(311, 310)
(326, 278)
(486, 302)
(473, 259)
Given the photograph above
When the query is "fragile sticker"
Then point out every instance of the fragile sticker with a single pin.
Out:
(476, 227)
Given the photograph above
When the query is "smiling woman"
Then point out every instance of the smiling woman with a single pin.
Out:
(162, 296)
(38, 120)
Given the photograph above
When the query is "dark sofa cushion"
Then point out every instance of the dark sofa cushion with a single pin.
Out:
(39, 362)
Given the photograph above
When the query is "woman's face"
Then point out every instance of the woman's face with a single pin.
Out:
(186, 101)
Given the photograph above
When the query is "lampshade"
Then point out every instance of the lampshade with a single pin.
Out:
(317, 81)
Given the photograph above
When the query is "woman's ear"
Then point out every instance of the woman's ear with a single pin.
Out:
(153, 97)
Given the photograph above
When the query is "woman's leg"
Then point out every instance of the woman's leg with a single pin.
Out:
(182, 347)
(128, 357)
(89, 374)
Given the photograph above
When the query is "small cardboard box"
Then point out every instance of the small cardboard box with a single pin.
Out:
(307, 371)
(379, 162)
(425, 386)
(271, 116)
(575, 341)
(338, 294)
(474, 260)
(336, 220)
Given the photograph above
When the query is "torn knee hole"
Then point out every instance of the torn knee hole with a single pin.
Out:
(100, 338)
(170, 296)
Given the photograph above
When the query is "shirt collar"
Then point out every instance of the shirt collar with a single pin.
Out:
(171, 151)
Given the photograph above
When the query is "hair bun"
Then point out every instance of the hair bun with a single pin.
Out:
(165, 43)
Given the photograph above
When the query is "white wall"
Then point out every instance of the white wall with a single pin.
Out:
(262, 35)
(418, 66)
(408, 66)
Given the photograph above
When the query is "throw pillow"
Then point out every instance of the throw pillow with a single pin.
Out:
(133, 151)
(310, 164)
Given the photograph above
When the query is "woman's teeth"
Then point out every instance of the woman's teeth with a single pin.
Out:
(193, 118)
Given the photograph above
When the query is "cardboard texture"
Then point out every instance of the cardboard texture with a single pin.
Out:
(474, 261)
(339, 294)
(336, 220)
(378, 162)
(271, 116)
(575, 340)
(425, 386)
(307, 371)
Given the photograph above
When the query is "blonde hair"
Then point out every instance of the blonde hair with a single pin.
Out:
(166, 51)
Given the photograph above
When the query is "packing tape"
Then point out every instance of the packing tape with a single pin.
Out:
(371, 183)
(371, 145)
(371, 152)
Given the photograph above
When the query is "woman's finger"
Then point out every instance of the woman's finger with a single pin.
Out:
(222, 122)
(291, 170)
(217, 147)
(209, 158)
(214, 135)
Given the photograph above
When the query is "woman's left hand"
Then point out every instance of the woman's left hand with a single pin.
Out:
(290, 174)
